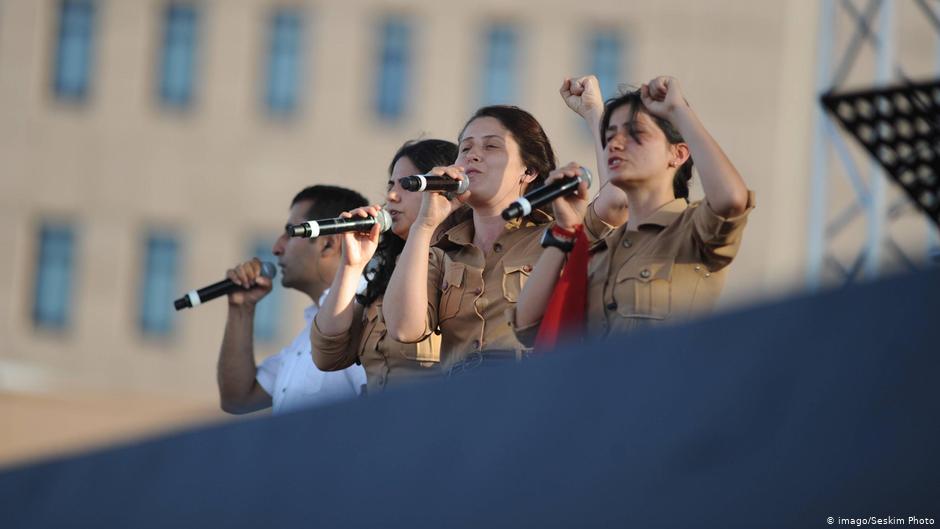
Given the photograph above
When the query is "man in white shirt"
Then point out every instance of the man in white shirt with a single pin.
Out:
(287, 380)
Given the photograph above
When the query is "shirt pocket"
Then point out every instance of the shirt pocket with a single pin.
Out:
(515, 276)
(643, 288)
(452, 290)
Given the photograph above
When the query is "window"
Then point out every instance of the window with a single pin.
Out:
(74, 49)
(605, 50)
(158, 285)
(53, 289)
(284, 54)
(268, 310)
(499, 72)
(177, 66)
(394, 68)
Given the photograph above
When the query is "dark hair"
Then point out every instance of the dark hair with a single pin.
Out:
(534, 146)
(425, 155)
(329, 201)
(680, 182)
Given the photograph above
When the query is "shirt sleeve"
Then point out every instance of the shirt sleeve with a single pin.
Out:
(719, 238)
(268, 370)
(435, 276)
(337, 351)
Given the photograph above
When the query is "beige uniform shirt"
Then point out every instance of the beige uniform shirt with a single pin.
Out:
(386, 361)
(672, 267)
(469, 293)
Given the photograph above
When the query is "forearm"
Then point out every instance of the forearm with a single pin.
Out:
(724, 188)
(407, 292)
(539, 287)
(336, 314)
(611, 202)
(236, 368)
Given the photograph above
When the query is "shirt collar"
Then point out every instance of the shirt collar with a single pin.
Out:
(667, 214)
(462, 233)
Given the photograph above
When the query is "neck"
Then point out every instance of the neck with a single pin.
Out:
(644, 201)
(314, 292)
(486, 229)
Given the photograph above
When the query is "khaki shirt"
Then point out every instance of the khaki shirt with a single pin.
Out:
(469, 293)
(471, 296)
(386, 361)
(672, 267)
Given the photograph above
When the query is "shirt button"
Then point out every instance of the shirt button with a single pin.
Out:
(697, 268)
(298, 353)
(707, 274)
(527, 268)
(283, 390)
(497, 247)
(444, 286)
(612, 305)
(478, 291)
(627, 243)
(476, 344)
(645, 273)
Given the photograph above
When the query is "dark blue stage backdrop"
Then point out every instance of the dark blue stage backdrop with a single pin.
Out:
(778, 416)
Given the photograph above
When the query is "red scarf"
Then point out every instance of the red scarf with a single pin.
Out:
(567, 309)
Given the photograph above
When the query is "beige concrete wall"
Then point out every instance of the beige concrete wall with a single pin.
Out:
(224, 172)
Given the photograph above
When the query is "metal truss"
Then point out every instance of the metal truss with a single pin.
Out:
(874, 34)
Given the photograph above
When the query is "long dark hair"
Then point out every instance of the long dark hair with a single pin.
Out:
(680, 182)
(534, 146)
(425, 155)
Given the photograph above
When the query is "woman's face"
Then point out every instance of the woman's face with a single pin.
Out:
(403, 206)
(490, 155)
(631, 163)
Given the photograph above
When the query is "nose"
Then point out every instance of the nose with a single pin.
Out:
(278, 248)
(392, 194)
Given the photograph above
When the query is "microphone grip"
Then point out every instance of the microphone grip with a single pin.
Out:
(196, 297)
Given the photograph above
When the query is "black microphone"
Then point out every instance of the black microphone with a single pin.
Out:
(194, 298)
(545, 194)
(316, 228)
(423, 182)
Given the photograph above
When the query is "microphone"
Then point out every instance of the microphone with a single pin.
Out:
(422, 182)
(545, 194)
(195, 298)
(316, 228)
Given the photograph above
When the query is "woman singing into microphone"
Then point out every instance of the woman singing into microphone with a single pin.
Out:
(349, 327)
(670, 258)
(462, 285)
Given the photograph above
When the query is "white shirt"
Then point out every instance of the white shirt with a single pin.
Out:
(293, 381)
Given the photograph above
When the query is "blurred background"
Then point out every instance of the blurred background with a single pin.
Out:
(148, 145)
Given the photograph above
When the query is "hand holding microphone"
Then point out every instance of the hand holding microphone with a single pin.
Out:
(359, 246)
(246, 283)
(570, 183)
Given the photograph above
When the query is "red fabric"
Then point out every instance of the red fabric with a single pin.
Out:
(567, 309)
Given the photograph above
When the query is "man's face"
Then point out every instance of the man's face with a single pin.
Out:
(298, 257)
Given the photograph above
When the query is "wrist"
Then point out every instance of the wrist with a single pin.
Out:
(244, 309)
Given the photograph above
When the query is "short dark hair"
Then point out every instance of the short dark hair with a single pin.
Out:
(534, 146)
(425, 155)
(680, 182)
(329, 201)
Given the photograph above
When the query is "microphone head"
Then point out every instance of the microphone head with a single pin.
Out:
(384, 220)
(464, 186)
(586, 176)
(268, 269)
(410, 183)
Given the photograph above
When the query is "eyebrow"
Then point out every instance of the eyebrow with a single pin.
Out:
(488, 136)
